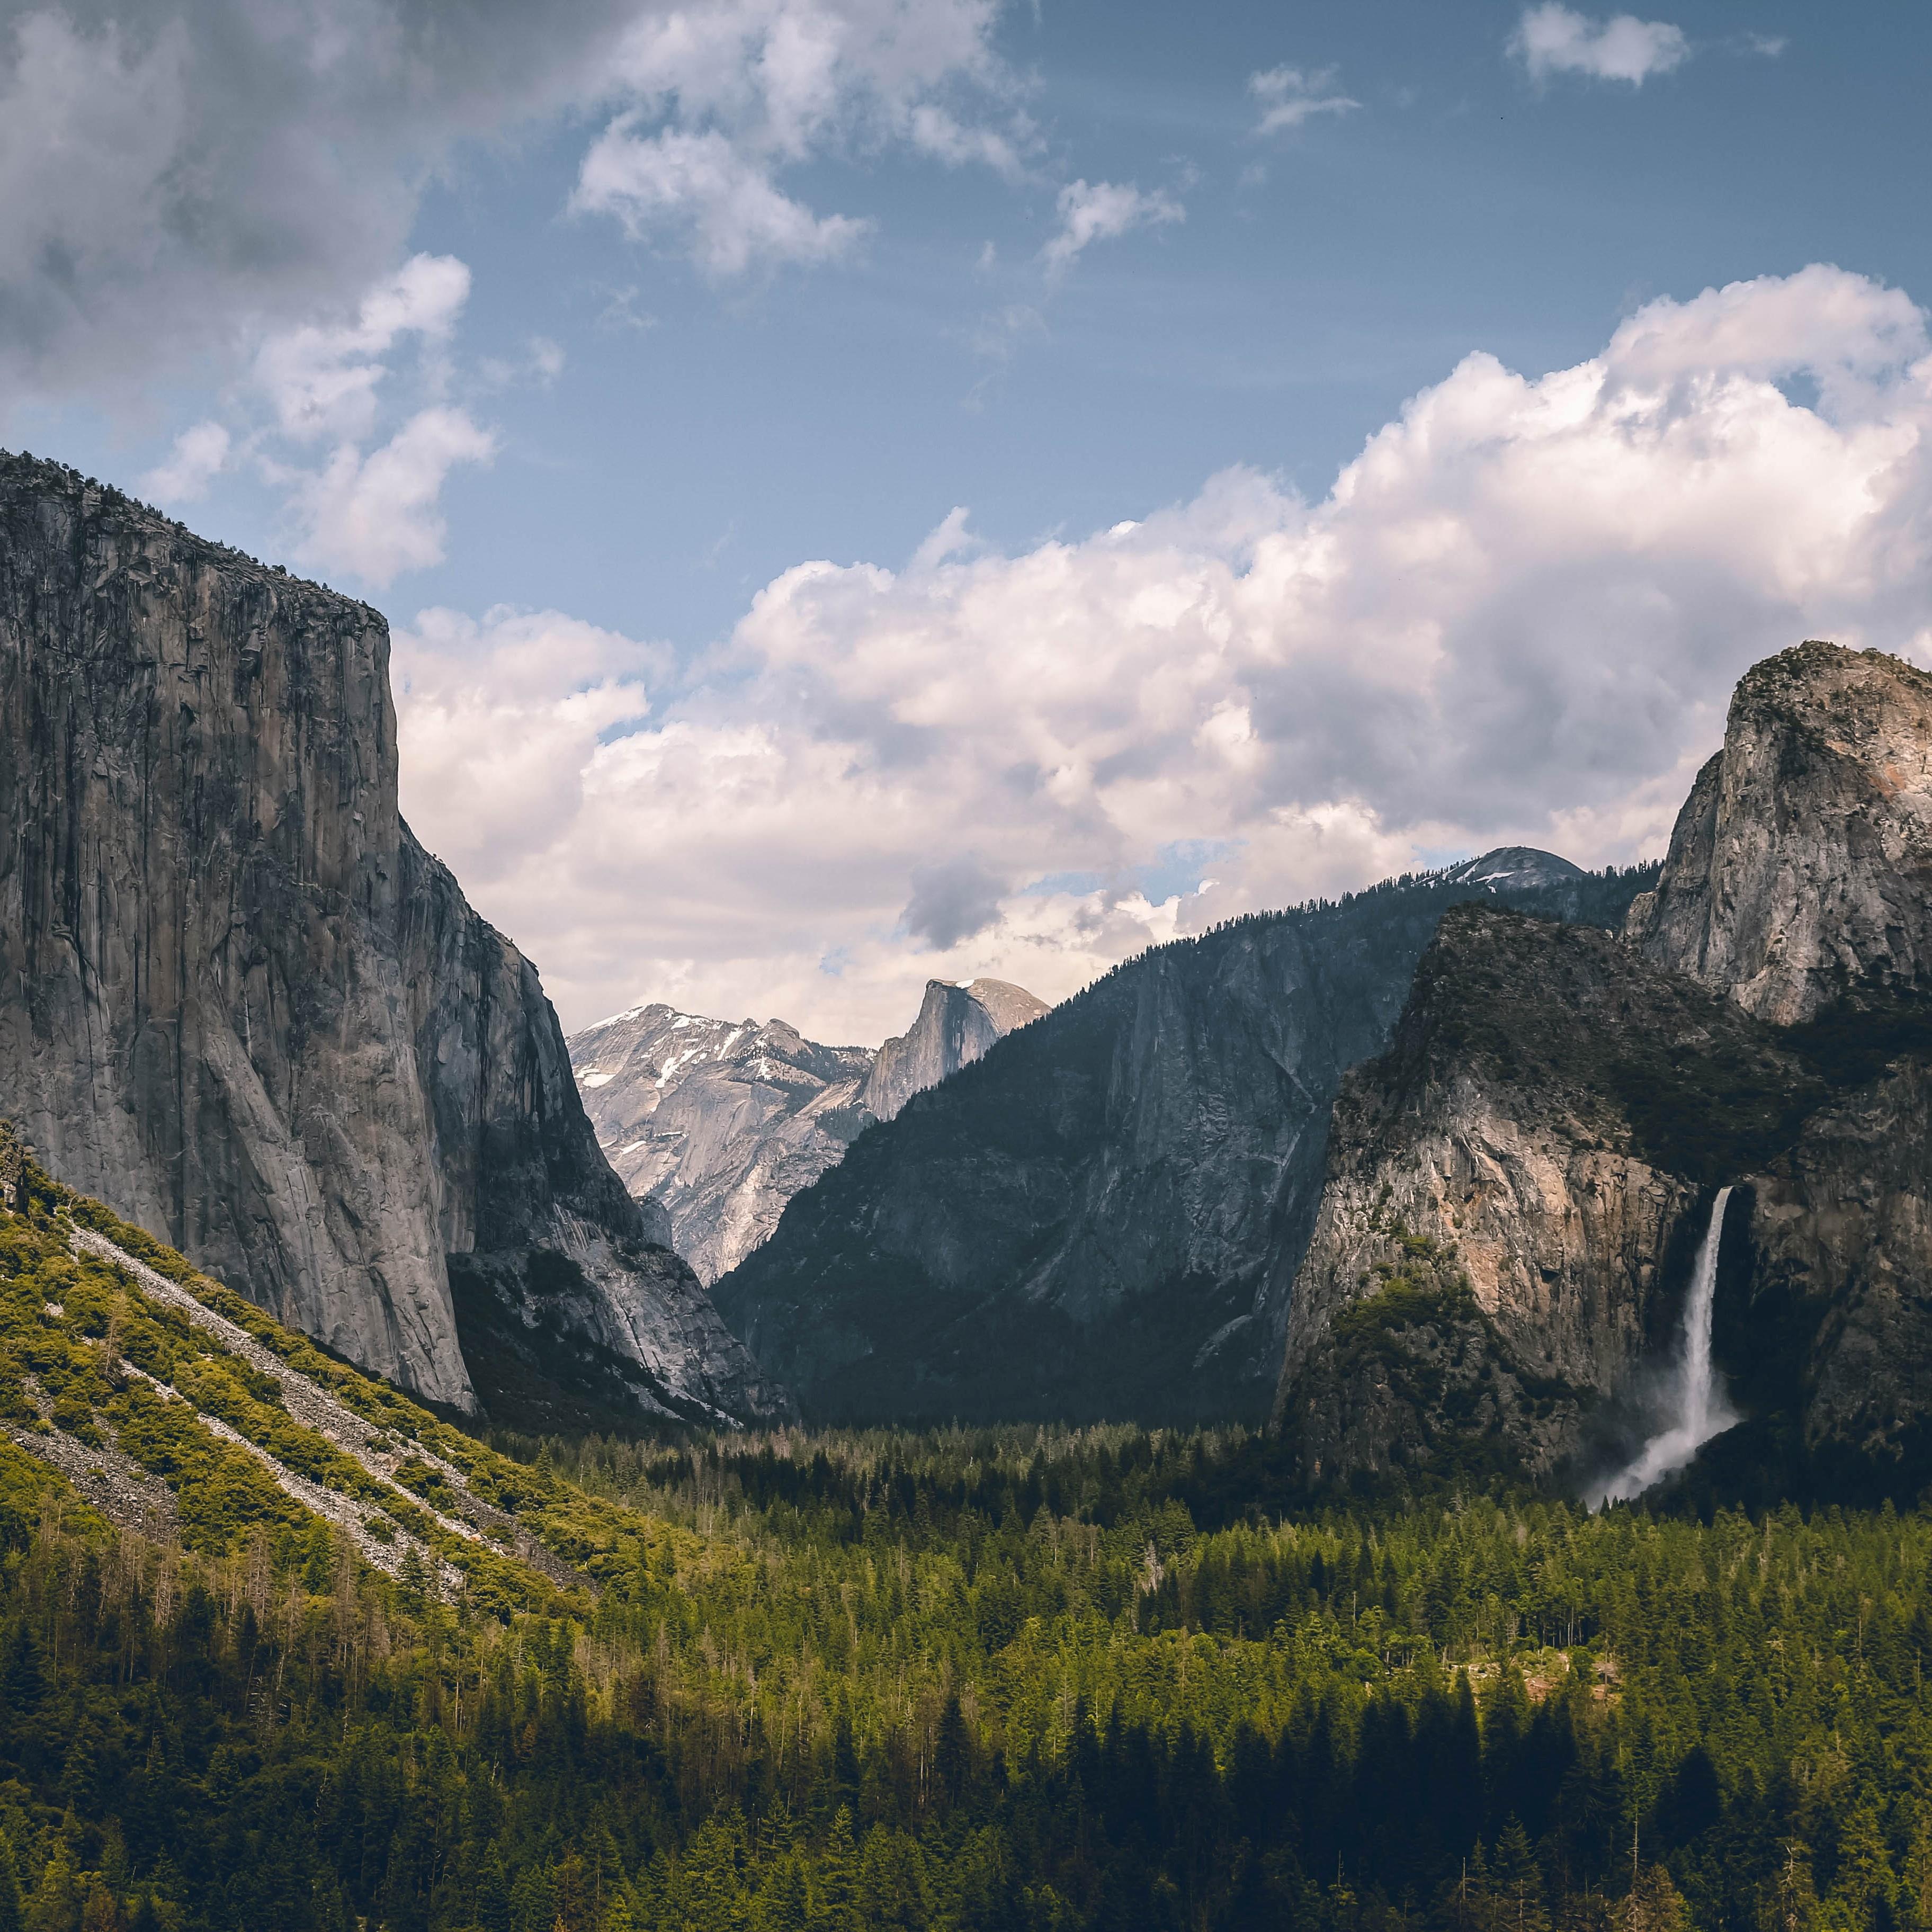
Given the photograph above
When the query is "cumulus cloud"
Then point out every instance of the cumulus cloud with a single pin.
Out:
(200, 454)
(177, 180)
(1098, 213)
(727, 206)
(723, 99)
(1553, 39)
(377, 515)
(179, 183)
(1517, 615)
(360, 468)
(1291, 95)
(323, 381)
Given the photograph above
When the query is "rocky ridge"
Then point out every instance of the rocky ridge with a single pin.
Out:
(1800, 866)
(242, 1003)
(1514, 1192)
(1101, 1217)
(720, 1125)
(956, 1025)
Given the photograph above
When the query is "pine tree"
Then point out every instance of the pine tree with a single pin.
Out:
(835, 1906)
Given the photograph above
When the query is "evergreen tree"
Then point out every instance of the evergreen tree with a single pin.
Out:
(835, 1905)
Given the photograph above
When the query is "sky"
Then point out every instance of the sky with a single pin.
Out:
(866, 490)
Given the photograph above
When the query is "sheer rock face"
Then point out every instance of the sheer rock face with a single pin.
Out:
(241, 1004)
(1101, 1218)
(955, 1026)
(1801, 866)
(1839, 1266)
(1514, 1193)
(1507, 1192)
(720, 1124)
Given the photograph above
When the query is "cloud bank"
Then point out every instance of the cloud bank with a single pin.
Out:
(179, 183)
(1517, 615)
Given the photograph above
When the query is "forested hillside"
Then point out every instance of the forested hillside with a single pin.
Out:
(1016, 1679)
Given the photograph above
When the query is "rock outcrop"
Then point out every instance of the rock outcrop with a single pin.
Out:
(1514, 1192)
(956, 1025)
(1102, 1216)
(1509, 1190)
(719, 1124)
(242, 1004)
(1801, 866)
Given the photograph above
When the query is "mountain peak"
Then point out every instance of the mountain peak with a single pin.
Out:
(1515, 867)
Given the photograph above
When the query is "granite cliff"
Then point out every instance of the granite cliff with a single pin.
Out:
(956, 1025)
(1101, 1217)
(243, 1006)
(1513, 1193)
(1800, 867)
(720, 1125)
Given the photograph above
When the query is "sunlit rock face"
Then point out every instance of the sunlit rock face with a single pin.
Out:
(1800, 866)
(242, 1006)
(717, 1125)
(1512, 1193)
(955, 1026)
(720, 1124)
(1508, 1196)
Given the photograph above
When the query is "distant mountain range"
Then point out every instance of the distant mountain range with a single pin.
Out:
(720, 1124)
(1102, 1216)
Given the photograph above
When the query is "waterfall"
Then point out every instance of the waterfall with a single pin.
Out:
(1698, 1408)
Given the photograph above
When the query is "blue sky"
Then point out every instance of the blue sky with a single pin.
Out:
(632, 422)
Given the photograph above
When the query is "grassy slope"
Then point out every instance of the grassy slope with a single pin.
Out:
(126, 1397)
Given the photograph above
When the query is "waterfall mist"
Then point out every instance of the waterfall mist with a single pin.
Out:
(1696, 1408)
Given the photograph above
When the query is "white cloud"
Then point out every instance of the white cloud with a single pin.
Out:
(377, 515)
(1554, 39)
(1098, 213)
(323, 381)
(176, 181)
(1291, 95)
(723, 99)
(733, 213)
(200, 454)
(1517, 615)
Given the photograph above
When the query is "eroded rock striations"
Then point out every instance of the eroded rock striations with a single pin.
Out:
(1102, 1216)
(722, 1124)
(1514, 1192)
(719, 1124)
(1801, 866)
(243, 1006)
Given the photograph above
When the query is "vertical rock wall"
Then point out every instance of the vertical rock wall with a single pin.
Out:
(1801, 866)
(239, 1003)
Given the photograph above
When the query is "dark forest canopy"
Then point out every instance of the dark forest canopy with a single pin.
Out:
(1000, 1679)
(838, 1701)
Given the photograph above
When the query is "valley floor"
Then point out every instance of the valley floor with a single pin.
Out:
(1005, 1679)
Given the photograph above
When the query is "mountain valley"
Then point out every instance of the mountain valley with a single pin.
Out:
(720, 1125)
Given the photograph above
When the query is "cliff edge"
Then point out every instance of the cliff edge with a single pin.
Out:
(243, 1007)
